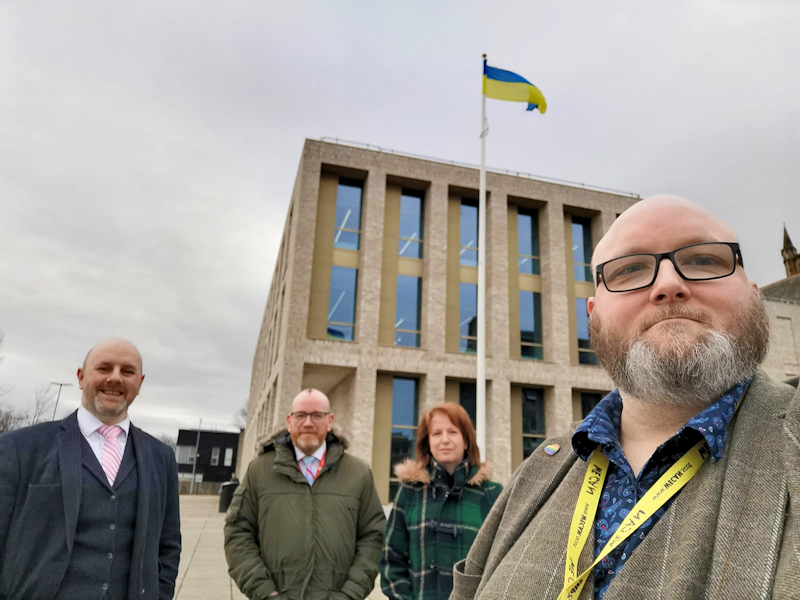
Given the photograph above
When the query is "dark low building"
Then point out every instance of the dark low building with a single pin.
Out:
(216, 455)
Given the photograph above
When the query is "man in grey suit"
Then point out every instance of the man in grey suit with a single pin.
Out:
(683, 482)
(89, 505)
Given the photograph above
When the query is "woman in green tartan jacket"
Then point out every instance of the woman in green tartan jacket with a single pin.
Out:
(444, 497)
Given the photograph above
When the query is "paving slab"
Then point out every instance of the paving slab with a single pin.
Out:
(203, 572)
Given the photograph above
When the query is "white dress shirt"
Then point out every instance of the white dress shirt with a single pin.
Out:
(89, 424)
(299, 455)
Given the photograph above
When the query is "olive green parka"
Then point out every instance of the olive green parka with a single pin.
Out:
(306, 542)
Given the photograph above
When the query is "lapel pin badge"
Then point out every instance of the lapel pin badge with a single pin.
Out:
(551, 449)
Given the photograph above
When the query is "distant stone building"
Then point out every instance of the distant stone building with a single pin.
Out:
(783, 305)
(791, 260)
(374, 295)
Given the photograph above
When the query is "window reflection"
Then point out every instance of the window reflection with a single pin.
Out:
(467, 392)
(407, 312)
(528, 241)
(586, 355)
(411, 234)
(348, 214)
(469, 234)
(342, 304)
(533, 425)
(468, 318)
(588, 401)
(582, 248)
(530, 325)
(404, 424)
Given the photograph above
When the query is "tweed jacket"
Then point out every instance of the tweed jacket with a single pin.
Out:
(432, 525)
(733, 533)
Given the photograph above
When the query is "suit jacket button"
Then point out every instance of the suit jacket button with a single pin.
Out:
(112, 527)
(105, 587)
(143, 590)
(113, 498)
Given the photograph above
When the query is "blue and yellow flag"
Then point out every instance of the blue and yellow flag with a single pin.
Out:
(505, 85)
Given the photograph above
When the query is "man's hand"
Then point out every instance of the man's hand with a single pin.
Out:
(273, 594)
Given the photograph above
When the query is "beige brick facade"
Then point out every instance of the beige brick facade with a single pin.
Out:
(288, 358)
(293, 354)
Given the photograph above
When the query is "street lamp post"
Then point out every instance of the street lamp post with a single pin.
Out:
(196, 449)
(60, 385)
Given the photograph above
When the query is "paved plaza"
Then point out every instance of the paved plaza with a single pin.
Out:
(203, 572)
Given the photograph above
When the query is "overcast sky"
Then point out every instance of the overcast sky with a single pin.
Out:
(148, 150)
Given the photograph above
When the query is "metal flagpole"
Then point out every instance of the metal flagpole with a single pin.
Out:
(480, 386)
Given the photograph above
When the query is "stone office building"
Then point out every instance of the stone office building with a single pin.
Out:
(374, 296)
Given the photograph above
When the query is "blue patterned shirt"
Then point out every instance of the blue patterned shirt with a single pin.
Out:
(622, 489)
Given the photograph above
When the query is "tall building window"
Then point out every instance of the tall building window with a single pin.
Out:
(467, 392)
(530, 325)
(468, 318)
(528, 241)
(410, 244)
(533, 427)
(404, 425)
(582, 248)
(588, 401)
(228, 457)
(342, 304)
(215, 457)
(469, 234)
(407, 311)
(348, 214)
(586, 355)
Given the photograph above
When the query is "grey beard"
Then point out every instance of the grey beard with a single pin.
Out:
(681, 375)
(713, 366)
(110, 413)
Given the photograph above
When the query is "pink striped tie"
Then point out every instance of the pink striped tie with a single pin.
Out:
(111, 454)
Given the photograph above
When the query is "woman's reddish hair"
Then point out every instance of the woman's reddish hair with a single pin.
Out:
(461, 420)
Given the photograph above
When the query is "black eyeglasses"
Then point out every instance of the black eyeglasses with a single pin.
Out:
(697, 262)
(316, 417)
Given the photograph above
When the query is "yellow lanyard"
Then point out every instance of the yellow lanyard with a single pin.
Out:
(669, 484)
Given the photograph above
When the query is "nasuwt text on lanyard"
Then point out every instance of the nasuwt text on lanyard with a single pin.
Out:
(669, 484)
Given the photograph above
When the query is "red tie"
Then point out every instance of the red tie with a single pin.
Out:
(111, 454)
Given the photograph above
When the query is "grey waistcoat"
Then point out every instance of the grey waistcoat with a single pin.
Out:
(101, 557)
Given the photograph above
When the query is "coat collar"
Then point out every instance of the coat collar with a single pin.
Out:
(410, 471)
(284, 460)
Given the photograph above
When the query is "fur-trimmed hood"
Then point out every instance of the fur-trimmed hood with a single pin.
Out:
(411, 471)
(281, 436)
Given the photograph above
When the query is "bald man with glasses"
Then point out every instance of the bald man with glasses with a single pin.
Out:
(305, 522)
(684, 481)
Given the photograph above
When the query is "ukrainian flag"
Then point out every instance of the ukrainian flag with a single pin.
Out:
(505, 85)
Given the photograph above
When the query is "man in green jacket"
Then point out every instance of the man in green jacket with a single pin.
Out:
(306, 522)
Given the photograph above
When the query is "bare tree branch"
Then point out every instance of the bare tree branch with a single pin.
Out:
(39, 411)
(240, 419)
(9, 419)
(169, 441)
